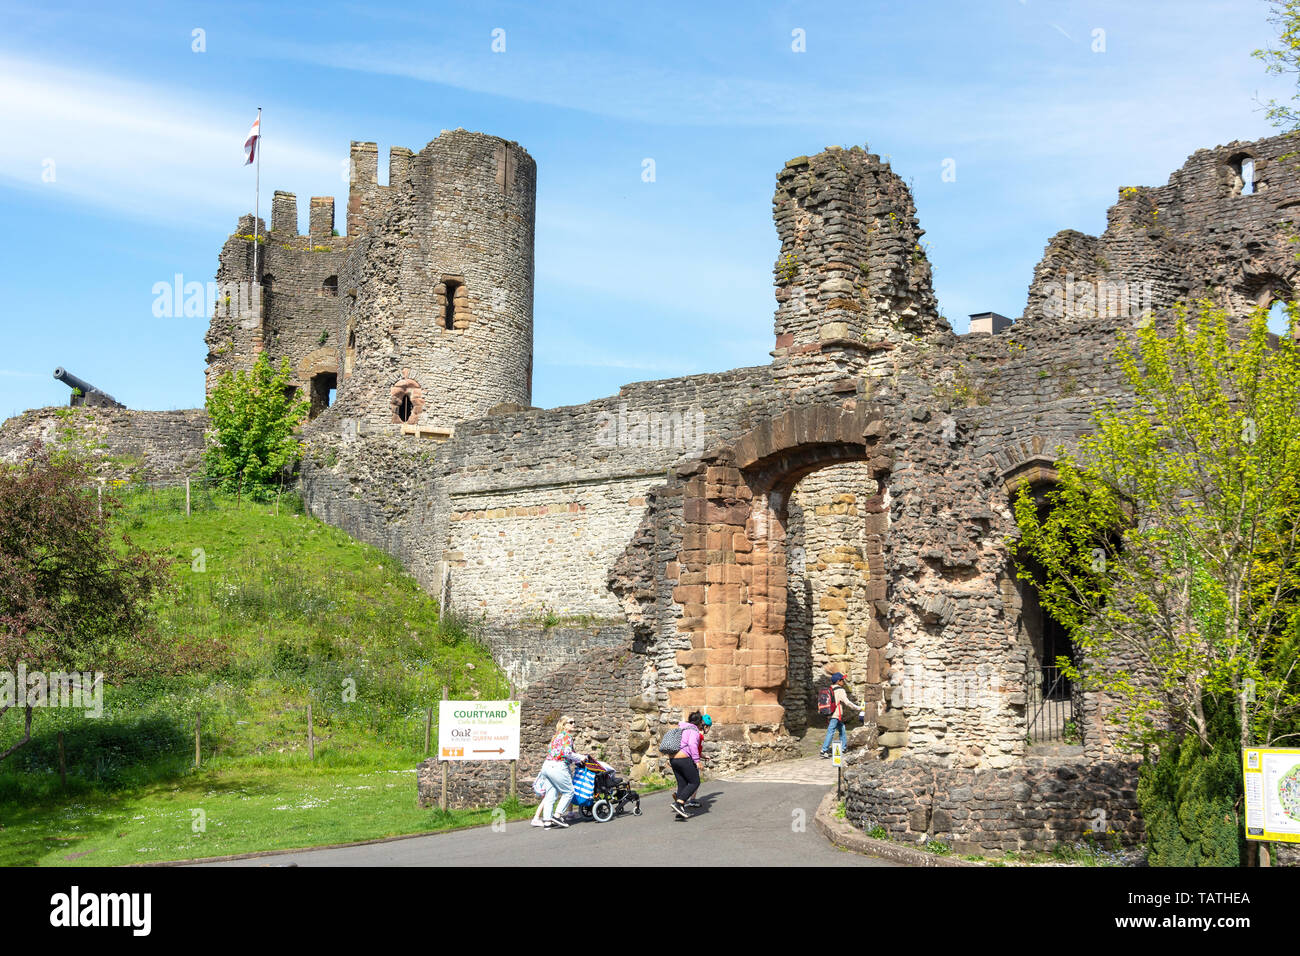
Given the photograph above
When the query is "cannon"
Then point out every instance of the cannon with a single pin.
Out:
(83, 393)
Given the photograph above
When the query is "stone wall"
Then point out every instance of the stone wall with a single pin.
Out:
(1200, 235)
(601, 691)
(830, 620)
(122, 443)
(1035, 805)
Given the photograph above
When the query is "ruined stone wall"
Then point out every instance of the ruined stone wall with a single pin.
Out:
(1039, 803)
(439, 297)
(290, 308)
(123, 443)
(601, 692)
(852, 277)
(1197, 236)
(828, 611)
(477, 499)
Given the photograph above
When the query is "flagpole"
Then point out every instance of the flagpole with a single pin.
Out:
(257, 195)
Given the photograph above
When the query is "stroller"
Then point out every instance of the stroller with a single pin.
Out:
(599, 792)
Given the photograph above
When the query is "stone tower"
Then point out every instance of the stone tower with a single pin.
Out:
(436, 318)
(852, 278)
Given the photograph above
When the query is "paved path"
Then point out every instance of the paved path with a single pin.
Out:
(761, 816)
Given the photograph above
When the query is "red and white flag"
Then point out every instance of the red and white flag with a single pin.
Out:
(250, 144)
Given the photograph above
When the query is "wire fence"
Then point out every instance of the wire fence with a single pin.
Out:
(190, 494)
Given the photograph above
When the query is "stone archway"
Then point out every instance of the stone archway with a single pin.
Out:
(732, 562)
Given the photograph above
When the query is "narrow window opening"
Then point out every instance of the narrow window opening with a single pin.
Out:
(331, 285)
(449, 304)
(404, 408)
(323, 385)
(1277, 318)
(1247, 177)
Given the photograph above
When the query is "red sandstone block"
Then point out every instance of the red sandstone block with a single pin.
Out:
(721, 639)
(694, 488)
(695, 510)
(738, 514)
(721, 573)
(689, 594)
(696, 676)
(719, 657)
(740, 542)
(762, 695)
(722, 474)
(763, 675)
(726, 676)
(722, 695)
(725, 593)
(693, 560)
(763, 714)
(724, 714)
(689, 658)
(733, 618)
(672, 570)
(687, 697)
(692, 540)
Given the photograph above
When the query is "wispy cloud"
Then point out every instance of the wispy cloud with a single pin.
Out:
(151, 153)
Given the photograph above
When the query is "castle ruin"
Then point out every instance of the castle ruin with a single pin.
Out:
(725, 541)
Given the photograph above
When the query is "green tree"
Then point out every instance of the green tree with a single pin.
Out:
(254, 420)
(1172, 540)
(74, 597)
(1283, 58)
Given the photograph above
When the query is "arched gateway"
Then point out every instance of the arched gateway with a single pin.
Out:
(732, 574)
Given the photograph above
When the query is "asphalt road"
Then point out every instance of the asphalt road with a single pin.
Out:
(741, 823)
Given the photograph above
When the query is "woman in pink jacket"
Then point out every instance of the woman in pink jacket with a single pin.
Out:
(686, 763)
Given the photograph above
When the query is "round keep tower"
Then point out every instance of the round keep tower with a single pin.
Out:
(436, 324)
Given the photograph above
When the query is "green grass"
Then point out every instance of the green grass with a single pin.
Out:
(229, 810)
(275, 610)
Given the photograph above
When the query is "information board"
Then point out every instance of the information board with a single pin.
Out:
(478, 730)
(1272, 777)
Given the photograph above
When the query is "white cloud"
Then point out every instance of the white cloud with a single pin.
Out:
(167, 156)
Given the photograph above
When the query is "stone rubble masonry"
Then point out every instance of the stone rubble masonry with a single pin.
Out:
(718, 541)
(1043, 801)
(123, 443)
(428, 295)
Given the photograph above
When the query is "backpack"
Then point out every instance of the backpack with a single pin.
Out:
(826, 701)
(671, 743)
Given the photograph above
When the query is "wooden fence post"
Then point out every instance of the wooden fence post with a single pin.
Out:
(311, 735)
(428, 730)
(198, 727)
(443, 802)
(187, 496)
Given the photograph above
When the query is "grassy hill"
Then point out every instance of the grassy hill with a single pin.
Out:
(278, 610)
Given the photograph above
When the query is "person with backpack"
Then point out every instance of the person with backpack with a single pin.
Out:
(684, 742)
(831, 702)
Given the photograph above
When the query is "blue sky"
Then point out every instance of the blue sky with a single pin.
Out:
(120, 166)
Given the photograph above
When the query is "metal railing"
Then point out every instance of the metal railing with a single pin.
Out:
(1050, 708)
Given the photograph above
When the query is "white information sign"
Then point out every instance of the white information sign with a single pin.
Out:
(478, 730)
(1272, 779)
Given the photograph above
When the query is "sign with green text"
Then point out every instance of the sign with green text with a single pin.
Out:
(478, 730)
